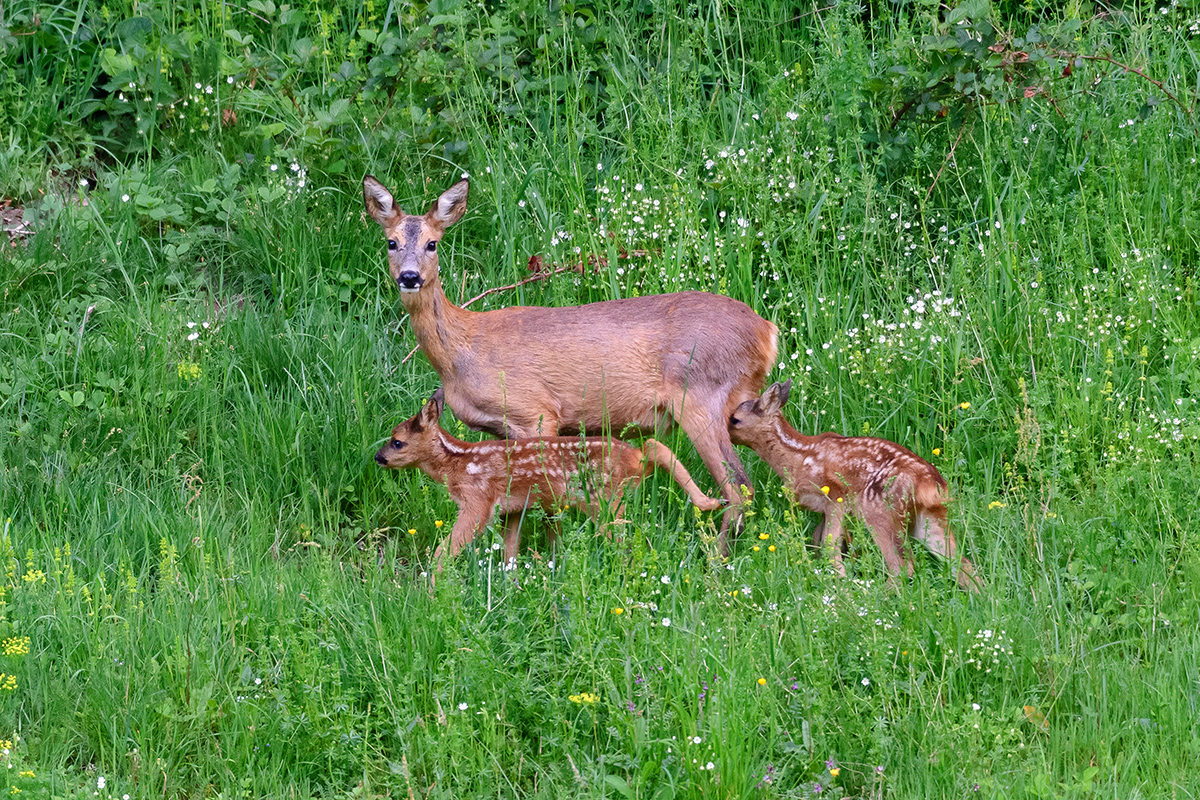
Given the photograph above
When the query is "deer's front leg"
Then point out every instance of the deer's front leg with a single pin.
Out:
(831, 543)
(512, 537)
(471, 520)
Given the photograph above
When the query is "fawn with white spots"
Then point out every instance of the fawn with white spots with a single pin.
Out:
(513, 475)
(895, 492)
(642, 362)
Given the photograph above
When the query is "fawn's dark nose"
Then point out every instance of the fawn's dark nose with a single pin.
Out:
(380, 460)
(409, 281)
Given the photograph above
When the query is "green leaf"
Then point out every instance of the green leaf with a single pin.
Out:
(619, 784)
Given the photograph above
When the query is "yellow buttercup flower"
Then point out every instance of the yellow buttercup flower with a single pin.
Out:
(835, 772)
(618, 611)
(771, 548)
(937, 451)
(964, 406)
(764, 536)
(825, 490)
(762, 681)
(437, 523)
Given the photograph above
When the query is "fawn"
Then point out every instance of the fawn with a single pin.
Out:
(640, 362)
(891, 489)
(513, 475)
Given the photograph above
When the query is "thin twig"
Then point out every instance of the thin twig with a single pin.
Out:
(949, 158)
(1135, 71)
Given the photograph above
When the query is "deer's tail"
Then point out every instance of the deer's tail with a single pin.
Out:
(661, 455)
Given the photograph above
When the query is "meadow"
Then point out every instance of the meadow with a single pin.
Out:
(976, 225)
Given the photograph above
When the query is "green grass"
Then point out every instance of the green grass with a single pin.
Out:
(210, 590)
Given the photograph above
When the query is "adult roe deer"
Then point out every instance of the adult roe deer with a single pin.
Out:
(890, 488)
(688, 357)
(513, 475)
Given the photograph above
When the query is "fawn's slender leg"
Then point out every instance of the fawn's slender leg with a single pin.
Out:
(932, 530)
(831, 544)
(512, 537)
(468, 525)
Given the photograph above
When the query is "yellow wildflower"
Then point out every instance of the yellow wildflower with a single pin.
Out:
(764, 536)
(937, 451)
(412, 531)
(964, 406)
(437, 523)
(835, 772)
(825, 490)
(771, 548)
(762, 681)
(15, 646)
(618, 611)
(584, 698)
(995, 504)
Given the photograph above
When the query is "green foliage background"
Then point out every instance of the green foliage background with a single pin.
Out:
(975, 224)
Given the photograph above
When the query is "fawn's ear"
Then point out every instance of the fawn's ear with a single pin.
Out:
(379, 202)
(774, 397)
(449, 208)
(432, 411)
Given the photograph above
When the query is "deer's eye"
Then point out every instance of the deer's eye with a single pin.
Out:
(432, 246)
(396, 443)
(734, 421)
(391, 244)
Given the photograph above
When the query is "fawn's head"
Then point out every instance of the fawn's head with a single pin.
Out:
(413, 240)
(759, 414)
(416, 440)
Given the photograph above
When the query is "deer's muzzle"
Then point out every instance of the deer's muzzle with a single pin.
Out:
(409, 281)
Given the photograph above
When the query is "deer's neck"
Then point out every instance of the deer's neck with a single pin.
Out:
(785, 445)
(442, 328)
(450, 457)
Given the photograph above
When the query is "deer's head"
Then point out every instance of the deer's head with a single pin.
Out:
(413, 240)
(758, 414)
(414, 441)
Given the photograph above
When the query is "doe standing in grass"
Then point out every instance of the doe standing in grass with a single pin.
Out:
(642, 362)
(513, 475)
(891, 489)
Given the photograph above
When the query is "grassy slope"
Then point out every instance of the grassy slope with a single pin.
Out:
(221, 593)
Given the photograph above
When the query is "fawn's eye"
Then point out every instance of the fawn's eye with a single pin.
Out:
(396, 443)
(734, 421)
(432, 246)
(391, 244)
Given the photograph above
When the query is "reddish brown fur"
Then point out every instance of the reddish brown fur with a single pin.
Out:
(895, 492)
(513, 475)
(688, 357)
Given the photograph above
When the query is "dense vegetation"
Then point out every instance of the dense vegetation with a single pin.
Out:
(976, 226)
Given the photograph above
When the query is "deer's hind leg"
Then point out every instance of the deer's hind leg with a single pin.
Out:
(931, 528)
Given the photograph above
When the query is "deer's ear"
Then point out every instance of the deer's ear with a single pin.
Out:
(450, 207)
(432, 411)
(773, 398)
(379, 202)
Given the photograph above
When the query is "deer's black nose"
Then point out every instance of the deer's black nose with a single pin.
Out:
(409, 281)
(380, 460)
